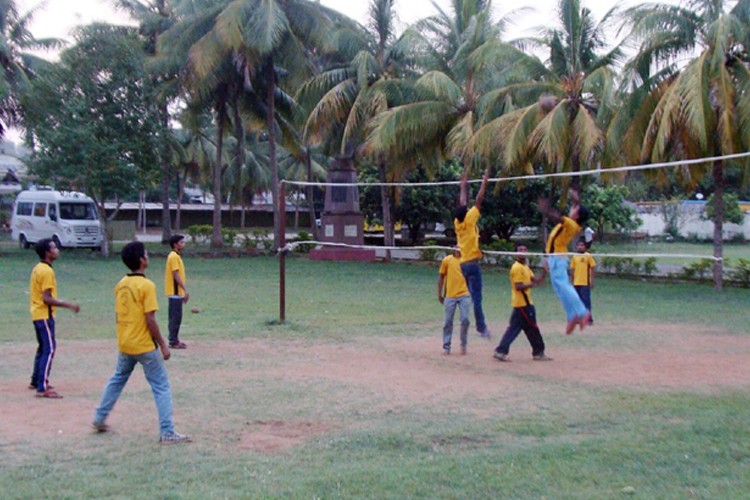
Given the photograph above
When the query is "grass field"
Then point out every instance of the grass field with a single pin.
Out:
(352, 398)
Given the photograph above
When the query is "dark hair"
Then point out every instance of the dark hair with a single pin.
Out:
(583, 215)
(42, 247)
(520, 244)
(582, 239)
(132, 253)
(460, 213)
(174, 239)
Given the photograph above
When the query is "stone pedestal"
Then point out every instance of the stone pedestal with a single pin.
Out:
(342, 221)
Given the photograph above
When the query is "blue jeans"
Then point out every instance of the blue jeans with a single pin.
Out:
(156, 375)
(463, 304)
(473, 274)
(571, 302)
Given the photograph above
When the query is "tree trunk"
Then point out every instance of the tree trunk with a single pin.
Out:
(271, 124)
(216, 238)
(104, 226)
(310, 196)
(296, 209)
(166, 180)
(385, 201)
(718, 175)
(181, 192)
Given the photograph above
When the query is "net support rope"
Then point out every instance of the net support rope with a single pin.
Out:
(598, 171)
(289, 247)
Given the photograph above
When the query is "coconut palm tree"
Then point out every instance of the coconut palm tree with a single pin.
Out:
(18, 64)
(344, 98)
(557, 118)
(704, 110)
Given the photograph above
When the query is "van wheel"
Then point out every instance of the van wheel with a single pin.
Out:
(56, 240)
(23, 242)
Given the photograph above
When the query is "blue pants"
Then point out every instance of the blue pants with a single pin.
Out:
(156, 375)
(522, 318)
(584, 292)
(45, 353)
(571, 302)
(473, 274)
(463, 304)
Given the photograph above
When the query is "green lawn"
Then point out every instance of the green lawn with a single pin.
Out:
(514, 433)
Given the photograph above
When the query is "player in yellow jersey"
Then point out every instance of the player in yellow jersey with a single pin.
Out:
(523, 317)
(175, 289)
(453, 292)
(43, 302)
(557, 261)
(467, 235)
(582, 270)
(139, 342)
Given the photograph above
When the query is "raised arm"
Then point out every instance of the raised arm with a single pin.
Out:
(463, 199)
(547, 209)
(482, 189)
(576, 199)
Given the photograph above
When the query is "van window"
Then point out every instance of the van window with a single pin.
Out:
(40, 209)
(77, 211)
(52, 211)
(24, 208)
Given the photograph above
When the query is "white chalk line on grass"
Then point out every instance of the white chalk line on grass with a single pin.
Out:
(292, 245)
(599, 171)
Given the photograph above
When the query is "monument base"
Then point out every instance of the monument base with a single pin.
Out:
(343, 254)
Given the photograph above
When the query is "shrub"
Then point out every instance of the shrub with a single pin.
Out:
(741, 273)
(200, 232)
(259, 239)
(229, 236)
(303, 236)
(429, 254)
(698, 270)
(500, 246)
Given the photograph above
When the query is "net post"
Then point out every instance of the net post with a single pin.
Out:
(282, 252)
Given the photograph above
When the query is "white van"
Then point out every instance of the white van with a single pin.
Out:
(68, 217)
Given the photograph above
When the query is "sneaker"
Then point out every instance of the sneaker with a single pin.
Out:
(177, 345)
(49, 393)
(446, 352)
(174, 438)
(542, 357)
(100, 426)
(463, 351)
(501, 356)
(486, 334)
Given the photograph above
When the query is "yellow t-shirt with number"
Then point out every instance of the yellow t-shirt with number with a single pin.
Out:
(521, 273)
(455, 283)
(174, 263)
(467, 235)
(42, 278)
(135, 295)
(582, 264)
(561, 235)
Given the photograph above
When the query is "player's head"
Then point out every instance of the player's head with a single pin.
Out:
(175, 239)
(133, 254)
(460, 213)
(581, 245)
(46, 249)
(521, 250)
(583, 215)
(457, 252)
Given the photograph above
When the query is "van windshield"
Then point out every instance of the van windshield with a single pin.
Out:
(77, 211)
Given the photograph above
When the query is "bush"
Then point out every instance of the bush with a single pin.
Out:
(303, 236)
(259, 239)
(741, 273)
(200, 231)
(430, 254)
(500, 246)
(698, 270)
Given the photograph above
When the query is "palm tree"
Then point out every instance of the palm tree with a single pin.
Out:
(154, 18)
(704, 109)
(565, 107)
(19, 65)
(344, 98)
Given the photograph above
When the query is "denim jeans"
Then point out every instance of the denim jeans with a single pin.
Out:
(463, 304)
(473, 274)
(571, 302)
(156, 375)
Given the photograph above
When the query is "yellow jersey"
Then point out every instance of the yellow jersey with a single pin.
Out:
(455, 284)
(135, 295)
(174, 263)
(42, 279)
(467, 235)
(561, 235)
(582, 265)
(520, 273)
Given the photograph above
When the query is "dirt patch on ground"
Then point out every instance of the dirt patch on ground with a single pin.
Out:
(387, 373)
